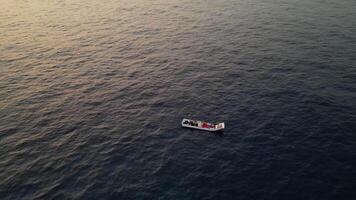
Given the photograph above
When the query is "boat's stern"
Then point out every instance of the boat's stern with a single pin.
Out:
(223, 125)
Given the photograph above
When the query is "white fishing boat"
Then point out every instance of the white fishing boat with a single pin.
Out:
(205, 126)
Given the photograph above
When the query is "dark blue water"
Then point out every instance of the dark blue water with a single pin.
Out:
(92, 94)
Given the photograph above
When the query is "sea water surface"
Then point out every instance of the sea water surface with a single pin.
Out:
(92, 94)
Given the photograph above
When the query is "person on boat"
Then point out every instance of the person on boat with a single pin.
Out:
(192, 123)
(205, 125)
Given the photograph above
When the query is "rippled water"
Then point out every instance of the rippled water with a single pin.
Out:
(92, 94)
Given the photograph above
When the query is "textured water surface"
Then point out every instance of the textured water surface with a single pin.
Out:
(92, 94)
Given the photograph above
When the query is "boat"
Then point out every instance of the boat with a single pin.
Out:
(205, 126)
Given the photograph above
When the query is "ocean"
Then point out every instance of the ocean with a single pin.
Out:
(92, 94)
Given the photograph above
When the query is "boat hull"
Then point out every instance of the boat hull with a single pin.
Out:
(204, 126)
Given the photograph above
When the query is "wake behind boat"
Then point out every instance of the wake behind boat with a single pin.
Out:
(188, 123)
